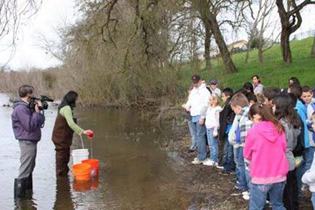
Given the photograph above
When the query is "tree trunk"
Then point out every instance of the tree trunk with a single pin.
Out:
(207, 47)
(313, 49)
(193, 49)
(226, 56)
(285, 46)
(247, 51)
(260, 55)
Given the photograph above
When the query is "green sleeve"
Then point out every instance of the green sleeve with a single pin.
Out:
(67, 113)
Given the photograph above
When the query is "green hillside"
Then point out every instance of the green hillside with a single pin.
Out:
(273, 72)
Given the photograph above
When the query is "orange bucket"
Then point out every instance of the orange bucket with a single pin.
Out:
(81, 186)
(81, 171)
(94, 166)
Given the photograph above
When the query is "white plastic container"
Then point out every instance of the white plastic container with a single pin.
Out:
(80, 154)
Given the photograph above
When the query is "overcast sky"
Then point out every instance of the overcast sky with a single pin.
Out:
(51, 15)
(28, 52)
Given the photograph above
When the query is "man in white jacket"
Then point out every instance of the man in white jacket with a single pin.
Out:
(197, 104)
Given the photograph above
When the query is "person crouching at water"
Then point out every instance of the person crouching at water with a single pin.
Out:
(62, 135)
(27, 123)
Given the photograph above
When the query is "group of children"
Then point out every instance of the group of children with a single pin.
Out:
(266, 138)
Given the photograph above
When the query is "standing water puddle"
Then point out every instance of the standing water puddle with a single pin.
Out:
(136, 172)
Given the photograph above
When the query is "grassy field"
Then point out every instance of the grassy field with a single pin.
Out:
(273, 72)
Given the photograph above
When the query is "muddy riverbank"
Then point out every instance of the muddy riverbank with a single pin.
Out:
(208, 186)
(144, 164)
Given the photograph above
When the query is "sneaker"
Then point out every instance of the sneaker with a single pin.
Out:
(208, 162)
(237, 192)
(226, 172)
(246, 197)
(304, 187)
(245, 193)
(219, 167)
(196, 161)
(191, 151)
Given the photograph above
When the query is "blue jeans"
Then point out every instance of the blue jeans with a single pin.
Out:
(193, 145)
(308, 157)
(228, 157)
(313, 200)
(214, 146)
(200, 134)
(240, 168)
(259, 194)
(248, 180)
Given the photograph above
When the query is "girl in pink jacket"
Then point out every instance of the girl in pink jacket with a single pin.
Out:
(265, 148)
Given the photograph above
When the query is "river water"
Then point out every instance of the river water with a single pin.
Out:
(136, 171)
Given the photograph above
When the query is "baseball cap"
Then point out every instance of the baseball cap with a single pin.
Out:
(195, 78)
(213, 82)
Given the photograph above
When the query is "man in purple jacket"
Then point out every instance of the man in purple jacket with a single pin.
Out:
(27, 124)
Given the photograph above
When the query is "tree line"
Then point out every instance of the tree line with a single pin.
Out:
(130, 52)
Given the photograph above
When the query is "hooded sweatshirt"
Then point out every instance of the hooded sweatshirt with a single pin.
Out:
(301, 110)
(292, 138)
(198, 101)
(212, 117)
(266, 149)
(26, 123)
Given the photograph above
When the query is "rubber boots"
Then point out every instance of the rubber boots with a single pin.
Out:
(23, 188)
(29, 182)
(19, 188)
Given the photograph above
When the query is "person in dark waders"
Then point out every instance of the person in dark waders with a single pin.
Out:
(65, 126)
(27, 122)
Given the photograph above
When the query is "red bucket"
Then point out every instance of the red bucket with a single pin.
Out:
(94, 163)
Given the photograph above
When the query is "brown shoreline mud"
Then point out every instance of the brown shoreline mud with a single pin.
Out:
(208, 186)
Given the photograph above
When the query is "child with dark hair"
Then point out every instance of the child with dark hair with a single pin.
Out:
(237, 134)
(287, 115)
(226, 119)
(296, 90)
(270, 94)
(307, 97)
(249, 87)
(294, 81)
(252, 99)
(291, 81)
(265, 149)
(258, 87)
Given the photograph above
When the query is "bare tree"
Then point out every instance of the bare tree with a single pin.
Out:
(208, 11)
(265, 23)
(208, 35)
(13, 13)
(291, 20)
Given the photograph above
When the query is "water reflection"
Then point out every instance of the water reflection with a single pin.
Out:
(23, 204)
(63, 194)
(135, 170)
(82, 186)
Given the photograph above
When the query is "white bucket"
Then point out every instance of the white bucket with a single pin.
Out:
(80, 154)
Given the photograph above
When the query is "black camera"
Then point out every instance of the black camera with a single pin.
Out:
(43, 99)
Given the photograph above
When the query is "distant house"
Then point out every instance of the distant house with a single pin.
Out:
(240, 45)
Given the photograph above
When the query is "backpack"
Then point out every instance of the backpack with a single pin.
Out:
(299, 149)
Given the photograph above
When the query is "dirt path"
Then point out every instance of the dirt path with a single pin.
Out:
(209, 188)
